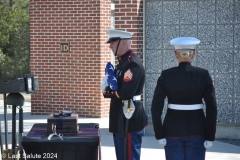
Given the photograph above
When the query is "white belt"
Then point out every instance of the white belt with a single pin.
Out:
(137, 98)
(185, 107)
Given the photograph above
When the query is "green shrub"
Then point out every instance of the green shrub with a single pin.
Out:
(14, 40)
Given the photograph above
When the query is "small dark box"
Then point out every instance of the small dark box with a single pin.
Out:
(66, 125)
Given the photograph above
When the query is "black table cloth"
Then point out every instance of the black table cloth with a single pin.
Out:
(83, 146)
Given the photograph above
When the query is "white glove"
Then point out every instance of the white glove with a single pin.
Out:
(104, 84)
(208, 144)
(162, 142)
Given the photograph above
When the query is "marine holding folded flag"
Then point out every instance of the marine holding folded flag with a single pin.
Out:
(186, 132)
(124, 85)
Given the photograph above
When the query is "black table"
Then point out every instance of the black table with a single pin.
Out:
(84, 146)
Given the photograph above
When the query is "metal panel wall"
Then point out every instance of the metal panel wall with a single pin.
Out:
(217, 24)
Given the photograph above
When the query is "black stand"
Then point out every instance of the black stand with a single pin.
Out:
(20, 136)
(28, 84)
(5, 121)
(13, 129)
(16, 99)
(1, 138)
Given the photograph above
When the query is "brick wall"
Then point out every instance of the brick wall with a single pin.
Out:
(69, 81)
(129, 16)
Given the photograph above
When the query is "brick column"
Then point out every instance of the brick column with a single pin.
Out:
(129, 17)
(69, 81)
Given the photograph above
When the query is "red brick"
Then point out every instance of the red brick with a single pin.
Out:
(63, 77)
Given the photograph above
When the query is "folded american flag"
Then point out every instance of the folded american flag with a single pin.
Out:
(111, 78)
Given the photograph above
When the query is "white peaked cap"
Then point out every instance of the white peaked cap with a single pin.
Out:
(115, 35)
(185, 42)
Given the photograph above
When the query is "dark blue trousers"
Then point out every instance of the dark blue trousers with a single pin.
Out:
(188, 148)
(134, 141)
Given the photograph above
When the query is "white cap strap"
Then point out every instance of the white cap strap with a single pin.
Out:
(185, 107)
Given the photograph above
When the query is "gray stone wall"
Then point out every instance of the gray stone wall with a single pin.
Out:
(217, 24)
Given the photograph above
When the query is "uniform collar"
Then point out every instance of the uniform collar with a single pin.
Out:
(184, 64)
(125, 55)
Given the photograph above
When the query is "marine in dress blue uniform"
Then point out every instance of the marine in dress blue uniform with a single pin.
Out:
(130, 75)
(186, 131)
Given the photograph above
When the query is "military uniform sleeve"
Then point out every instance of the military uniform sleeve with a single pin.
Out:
(211, 109)
(109, 93)
(132, 76)
(157, 108)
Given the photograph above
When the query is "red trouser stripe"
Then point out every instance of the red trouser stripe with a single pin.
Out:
(129, 146)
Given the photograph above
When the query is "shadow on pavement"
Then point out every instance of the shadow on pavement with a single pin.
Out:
(148, 142)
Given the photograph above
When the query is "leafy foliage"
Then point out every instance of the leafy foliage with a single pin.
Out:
(14, 39)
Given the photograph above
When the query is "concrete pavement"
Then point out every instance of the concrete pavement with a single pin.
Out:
(151, 150)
